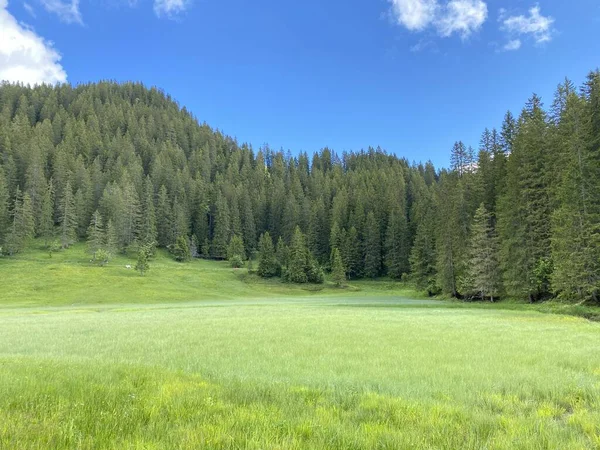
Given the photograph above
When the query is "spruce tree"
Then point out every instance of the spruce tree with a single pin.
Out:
(296, 269)
(222, 228)
(524, 210)
(268, 266)
(181, 249)
(163, 218)
(396, 245)
(46, 219)
(4, 211)
(484, 276)
(283, 252)
(142, 265)
(23, 224)
(338, 271)
(372, 247)
(112, 245)
(96, 238)
(236, 253)
(352, 254)
(148, 232)
(67, 218)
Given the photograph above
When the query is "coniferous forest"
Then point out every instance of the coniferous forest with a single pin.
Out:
(125, 168)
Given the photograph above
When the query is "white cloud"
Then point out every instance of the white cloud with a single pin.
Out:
(67, 12)
(463, 17)
(512, 45)
(455, 16)
(24, 56)
(170, 8)
(535, 25)
(415, 15)
(29, 9)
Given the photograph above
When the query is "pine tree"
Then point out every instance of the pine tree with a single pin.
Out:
(338, 271)
(23, 225)
(268, 265)
(372, 244)
(222, 229)
(142, 265)
(461, 159)
(236, 253)
(4, 211)
(148, 232)
(131, 216)
(423, 257)
(297, 264)
(111, 238)
(524, 210)
(27, 224)
(484, 276)
(452, 233)
(302, 265)
(396, 245)
(163, 214)
(352, 254)
(67, 218)
(96, 238)
(181, 249)
(46, 219)
(283, 252)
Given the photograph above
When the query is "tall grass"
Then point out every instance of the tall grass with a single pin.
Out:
(197, 356)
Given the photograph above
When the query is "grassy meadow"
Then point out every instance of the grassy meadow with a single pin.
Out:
(199, 355)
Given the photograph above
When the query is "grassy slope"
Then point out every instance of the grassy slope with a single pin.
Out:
(67, 278)
(360, 368)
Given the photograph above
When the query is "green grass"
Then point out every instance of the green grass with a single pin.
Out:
(227, 362)
(68, 278)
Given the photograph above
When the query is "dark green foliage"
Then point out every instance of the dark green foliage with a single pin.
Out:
(236, 254)
(4, 211)
(283, 252)
(46, 220)
(268, 266)
(483, 270)
(372, 247)
(352, 254)
(23, 224)
(67, 217)
(148, 231)
(143, 256)
(181, 250)
(222, 228)
(154, 174)
(525, 209)
(396, 245)
(338, 271)
(302, 267)
(96, 238)
(452, 232)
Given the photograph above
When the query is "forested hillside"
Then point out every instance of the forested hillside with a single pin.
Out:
(121, 166)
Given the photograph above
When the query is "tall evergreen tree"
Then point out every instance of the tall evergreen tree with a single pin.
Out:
(484, 275)
(372, 247)
(46, 220)
(268, 266)
(222, 228)
(396, 245)
(96, 238)
(67, 217)
(148, 231)
(525, 208)
(338, 271)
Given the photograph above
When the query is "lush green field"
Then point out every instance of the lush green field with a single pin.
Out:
(198, 356)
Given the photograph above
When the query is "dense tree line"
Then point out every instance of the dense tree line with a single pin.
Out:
(124, 167)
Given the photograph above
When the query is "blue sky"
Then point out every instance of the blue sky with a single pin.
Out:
(411, 76)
